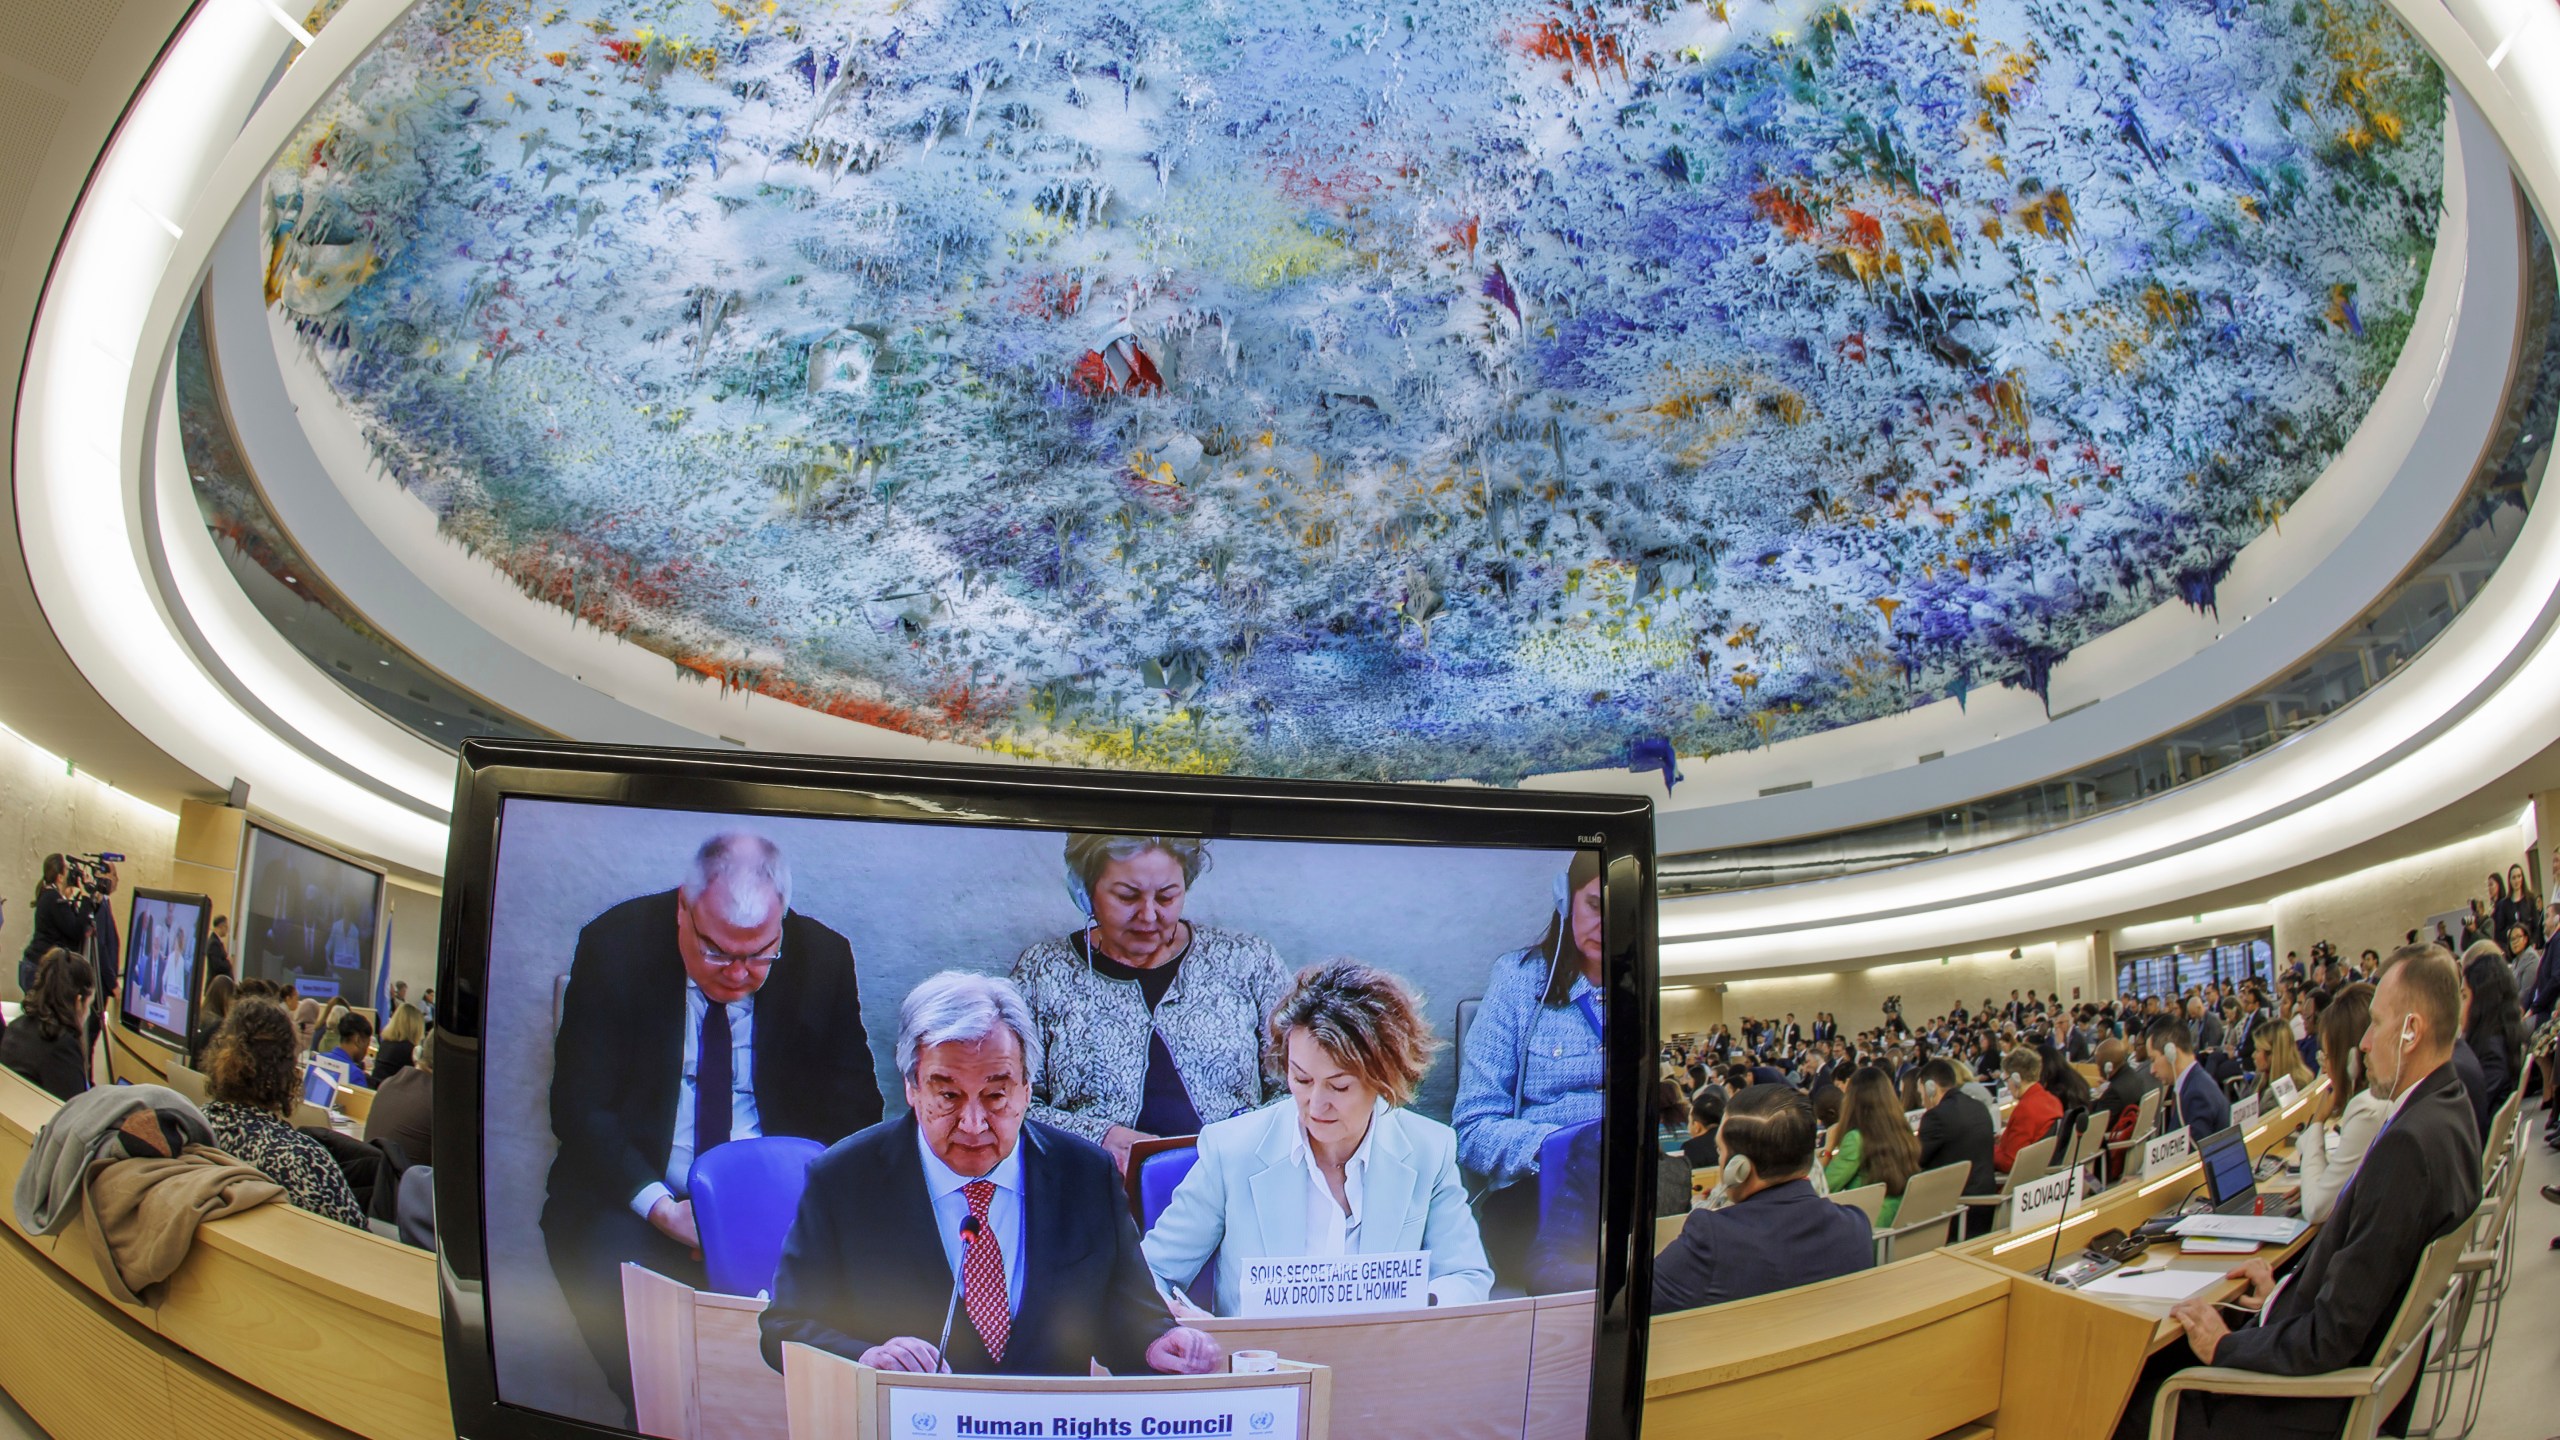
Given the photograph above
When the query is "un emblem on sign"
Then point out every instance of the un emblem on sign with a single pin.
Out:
(1260, 1424)
(922, 1422)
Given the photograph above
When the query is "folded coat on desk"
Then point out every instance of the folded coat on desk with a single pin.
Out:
(143, 1213)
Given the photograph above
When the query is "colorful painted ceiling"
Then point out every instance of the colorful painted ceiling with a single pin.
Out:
(1327, 388)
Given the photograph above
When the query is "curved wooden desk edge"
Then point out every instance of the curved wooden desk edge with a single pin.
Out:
(313, 1325)
(1691, 1349)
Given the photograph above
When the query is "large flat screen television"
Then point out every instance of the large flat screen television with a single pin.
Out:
(309, 918)
(164, 941)
(900, 1063)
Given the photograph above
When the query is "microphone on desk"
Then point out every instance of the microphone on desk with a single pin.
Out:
(969, 1230)
(2074, 1120)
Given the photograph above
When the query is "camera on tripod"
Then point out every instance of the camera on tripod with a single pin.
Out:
(88, 873)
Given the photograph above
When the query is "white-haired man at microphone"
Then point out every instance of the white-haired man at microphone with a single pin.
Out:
(962, 1235)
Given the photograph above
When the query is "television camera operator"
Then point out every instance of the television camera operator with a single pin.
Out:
(66, 908)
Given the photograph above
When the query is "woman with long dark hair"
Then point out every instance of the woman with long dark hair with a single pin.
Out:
(1873, 1143)
(48, 1045)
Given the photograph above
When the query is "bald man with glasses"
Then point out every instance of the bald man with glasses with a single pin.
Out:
(695, 1016)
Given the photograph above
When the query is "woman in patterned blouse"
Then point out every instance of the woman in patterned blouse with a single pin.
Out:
(1150, 1025)
(250, 1082)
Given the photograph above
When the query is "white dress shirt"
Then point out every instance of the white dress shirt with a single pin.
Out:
(1329, 1230)
(744, 1122)
(1004, 1211)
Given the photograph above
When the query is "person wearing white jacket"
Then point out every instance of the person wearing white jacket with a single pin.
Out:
(2333, 1145)
(1339, 1167)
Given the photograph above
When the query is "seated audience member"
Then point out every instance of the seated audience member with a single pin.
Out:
(404, 1109)
(251, 1081)
(400, 1036)
(1779, 1232)
(1872, 1143)
(1956, 1128)
(2031, 1118)
(219, 993)
(2196, 1100)
(1150, 1024)
(2273, 1056)
(355, 1046)
(2348, 1114)
(871, 1259)
(2127, 1081)
(2063, 1082)
(1706, 1112)
(1531, 1064)
(1339, 1166)
(2493, 1026)
(306, 1022)
(48, 1042)
(1827, 1097)
(2419, 1182)
(1671, 1173)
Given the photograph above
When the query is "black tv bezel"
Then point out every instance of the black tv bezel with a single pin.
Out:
(377, 950)
(176, 1039)
(492, 772)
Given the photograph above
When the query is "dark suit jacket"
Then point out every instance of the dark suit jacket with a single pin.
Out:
(1783, 1237)
(863, 1262)
(404, 1110)
(2475, 1085)
(2199, 1104)
(1958, 1128)
(2125, 1087)
(619, 1062)
(2420, 1180)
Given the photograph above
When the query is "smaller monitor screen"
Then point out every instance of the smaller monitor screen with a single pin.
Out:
(307, 918)
(2228, 1173)
(163, 946)
(319, 1087)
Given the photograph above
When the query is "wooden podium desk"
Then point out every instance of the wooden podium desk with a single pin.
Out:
(279, 1323)
(2071, 1359)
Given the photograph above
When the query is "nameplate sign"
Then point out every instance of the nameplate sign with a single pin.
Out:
(2167, 1152)
(2244, 1111)
(2285, 1091)
(918, 1412)
(1336, 1284)
(2041, 1202)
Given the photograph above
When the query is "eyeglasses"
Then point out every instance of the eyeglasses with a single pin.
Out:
(716, 956)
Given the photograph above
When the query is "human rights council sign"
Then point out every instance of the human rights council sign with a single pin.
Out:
(1070, 1413)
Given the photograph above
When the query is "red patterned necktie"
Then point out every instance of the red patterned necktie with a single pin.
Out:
(982, 1274)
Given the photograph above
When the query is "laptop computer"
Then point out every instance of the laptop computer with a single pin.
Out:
(2230, 1176)
(319, 1087)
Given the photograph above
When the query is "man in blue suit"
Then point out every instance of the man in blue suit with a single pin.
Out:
(2195, 1099)
(1778, 1233)
(962, 1208)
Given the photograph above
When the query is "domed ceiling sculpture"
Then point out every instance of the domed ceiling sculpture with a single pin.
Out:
(1327, 388)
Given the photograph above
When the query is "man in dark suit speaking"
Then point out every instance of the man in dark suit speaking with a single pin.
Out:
(699, 1015)
(2420, 1181)
(963, 1213)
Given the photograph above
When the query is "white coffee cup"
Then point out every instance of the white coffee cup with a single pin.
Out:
(1255, 1362)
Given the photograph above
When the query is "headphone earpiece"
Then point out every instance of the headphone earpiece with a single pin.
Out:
(1737, 1172)
(2407, 1024)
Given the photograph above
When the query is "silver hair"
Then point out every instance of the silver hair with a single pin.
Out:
(962, 1005)
(1087, 853)
(750, 871)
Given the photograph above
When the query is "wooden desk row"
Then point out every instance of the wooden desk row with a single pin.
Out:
(283, 1324)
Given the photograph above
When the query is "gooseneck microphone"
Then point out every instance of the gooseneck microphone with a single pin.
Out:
(2073, 1119)
(969, 1229)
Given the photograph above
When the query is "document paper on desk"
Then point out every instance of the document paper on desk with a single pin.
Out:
(2171, 1285)
(2265, 1229)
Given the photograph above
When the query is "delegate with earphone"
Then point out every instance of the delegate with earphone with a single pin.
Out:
(1780, 1231)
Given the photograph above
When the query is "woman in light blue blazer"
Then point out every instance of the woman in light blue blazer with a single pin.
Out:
(1337, 1168)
